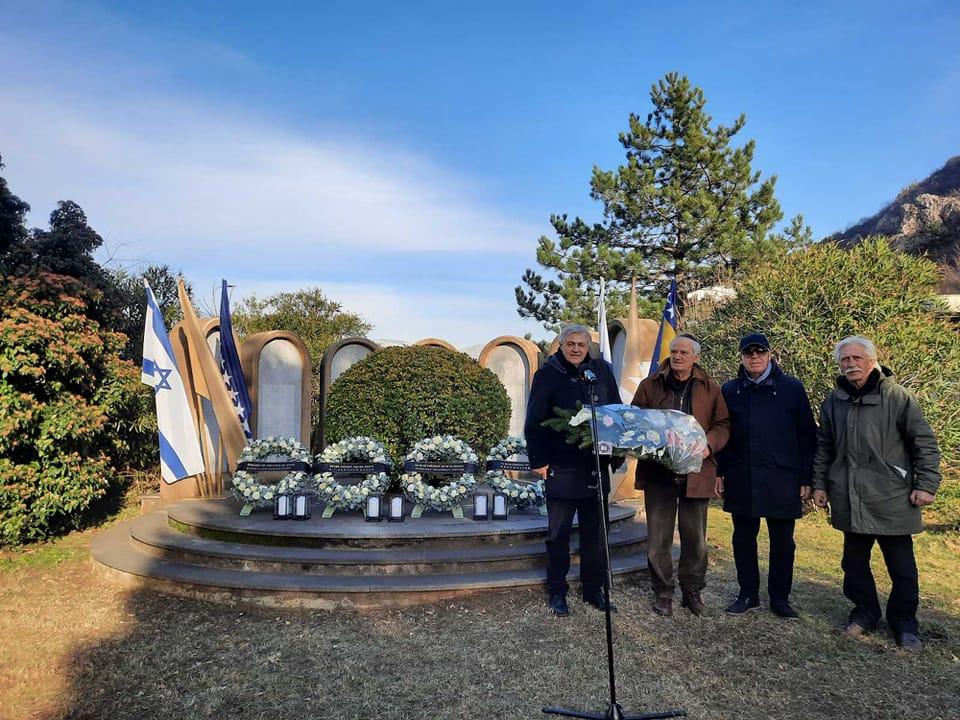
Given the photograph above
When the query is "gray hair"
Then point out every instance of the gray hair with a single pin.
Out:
(574, 330)
(694, 343)
(867, 346)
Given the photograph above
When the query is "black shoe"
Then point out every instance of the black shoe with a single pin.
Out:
(558, 603)
(909, 641)
(743, 605)
(784, 610)
(598, 601)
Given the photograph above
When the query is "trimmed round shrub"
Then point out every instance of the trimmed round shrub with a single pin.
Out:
(806, 301)
(400, 395)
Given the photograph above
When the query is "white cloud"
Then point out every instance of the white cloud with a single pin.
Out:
(404, 314)
(211, 187)
(174, 178)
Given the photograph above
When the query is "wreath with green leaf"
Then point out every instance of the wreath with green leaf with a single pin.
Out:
(435, 453)
(520, 493)
(364, 452)
(258, 455)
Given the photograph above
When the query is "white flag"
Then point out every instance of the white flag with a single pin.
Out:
(180, 454)
(602, 327)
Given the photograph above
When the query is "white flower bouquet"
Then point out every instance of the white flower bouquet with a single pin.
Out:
(669, 437)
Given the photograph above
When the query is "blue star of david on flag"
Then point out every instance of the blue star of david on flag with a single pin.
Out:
(150, 368)
(179, 442)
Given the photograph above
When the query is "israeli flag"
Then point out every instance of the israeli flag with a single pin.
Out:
(180, 454)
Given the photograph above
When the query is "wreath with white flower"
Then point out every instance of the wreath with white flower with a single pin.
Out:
(365, 454)
(256, 457)
(439, 455)
(522, 494)
(250, 492)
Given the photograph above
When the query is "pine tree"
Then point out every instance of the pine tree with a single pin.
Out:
(686, 203)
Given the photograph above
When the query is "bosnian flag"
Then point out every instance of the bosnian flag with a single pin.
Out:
(668, 330)
(180, 454)
(230, 366)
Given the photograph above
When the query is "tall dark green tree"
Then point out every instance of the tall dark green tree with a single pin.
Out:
(686, 202)
(13, 229)
(67, 247)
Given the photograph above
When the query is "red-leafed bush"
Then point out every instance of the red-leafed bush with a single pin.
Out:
(71, 411)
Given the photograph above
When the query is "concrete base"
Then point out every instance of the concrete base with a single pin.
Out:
(204, 549)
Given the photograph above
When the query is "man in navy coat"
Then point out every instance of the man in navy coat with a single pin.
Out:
(568, 470)
(765, 471)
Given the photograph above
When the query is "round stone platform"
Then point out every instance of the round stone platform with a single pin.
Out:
(204, 548)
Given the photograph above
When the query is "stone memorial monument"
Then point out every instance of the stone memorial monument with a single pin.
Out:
(436, 342)
(204, 417)
(514, 360)
(278, 371)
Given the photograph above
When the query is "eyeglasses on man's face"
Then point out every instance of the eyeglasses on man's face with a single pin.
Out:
(754, 351)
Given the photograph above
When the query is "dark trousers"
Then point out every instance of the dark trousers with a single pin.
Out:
(782, 550)
(860, 589)
(666, 508)
(560, 514)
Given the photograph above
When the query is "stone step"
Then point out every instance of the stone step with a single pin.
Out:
(155, 537)
(221, 520)
(116, 553)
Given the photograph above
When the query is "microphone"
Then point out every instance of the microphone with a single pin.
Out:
(588, 375)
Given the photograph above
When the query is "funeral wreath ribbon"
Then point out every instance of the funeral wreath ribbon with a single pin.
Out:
(270, 453)
(351, 456)
(521, 494)
(440, 455)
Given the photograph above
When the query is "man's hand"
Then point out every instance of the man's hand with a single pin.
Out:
(718, 487)
(804, 492)
(541, 471)
(706, 452)
(921, 498)
(820, 498)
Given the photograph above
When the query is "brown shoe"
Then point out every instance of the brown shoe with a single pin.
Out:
(663, 606)
(853, 630)
(692, 602)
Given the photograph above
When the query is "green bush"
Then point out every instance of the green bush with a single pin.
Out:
(806, 301)
(400, 395)
(71, 411)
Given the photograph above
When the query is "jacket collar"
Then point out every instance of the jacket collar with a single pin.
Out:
(560, 364)
(697, 373)
(771, 378)
(872, 397)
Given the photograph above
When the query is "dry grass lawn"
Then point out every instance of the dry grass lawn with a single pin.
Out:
(73, 647)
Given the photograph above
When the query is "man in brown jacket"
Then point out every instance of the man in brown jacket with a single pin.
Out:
(681, 384)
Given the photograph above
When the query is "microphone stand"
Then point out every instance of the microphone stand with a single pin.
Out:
(613, 711)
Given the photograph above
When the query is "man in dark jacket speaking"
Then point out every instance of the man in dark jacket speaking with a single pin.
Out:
(877, 463)
(765, 470)
(569, 471)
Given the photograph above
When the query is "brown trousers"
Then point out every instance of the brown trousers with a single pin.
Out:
(665, 504)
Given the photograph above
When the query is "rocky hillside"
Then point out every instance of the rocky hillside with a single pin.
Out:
(924, 218)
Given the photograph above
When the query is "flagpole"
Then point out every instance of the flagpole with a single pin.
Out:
(205, 445)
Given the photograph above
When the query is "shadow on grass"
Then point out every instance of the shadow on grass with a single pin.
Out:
(504, 656)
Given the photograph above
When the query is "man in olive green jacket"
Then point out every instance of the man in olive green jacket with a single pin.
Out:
(877, 463)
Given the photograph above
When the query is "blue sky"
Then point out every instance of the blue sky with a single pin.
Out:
(405, 157)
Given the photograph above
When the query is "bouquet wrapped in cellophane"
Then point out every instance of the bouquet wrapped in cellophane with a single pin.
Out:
(669, 437)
